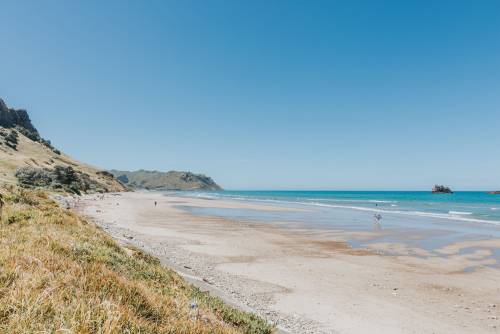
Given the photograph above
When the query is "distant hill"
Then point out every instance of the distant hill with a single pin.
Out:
(21, 145)
(155, 180)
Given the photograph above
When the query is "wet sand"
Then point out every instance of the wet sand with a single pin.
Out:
(291, 275)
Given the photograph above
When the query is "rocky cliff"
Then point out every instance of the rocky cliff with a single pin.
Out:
(155, 180)
(10, 117)
(441, 190)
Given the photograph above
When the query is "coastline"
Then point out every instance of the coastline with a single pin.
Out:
(309, 283)
(466, 206)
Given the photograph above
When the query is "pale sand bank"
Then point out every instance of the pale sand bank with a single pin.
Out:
(288, 275)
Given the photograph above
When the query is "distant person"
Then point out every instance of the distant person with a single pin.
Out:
(375, 204)
(155, 203)
(376, 220)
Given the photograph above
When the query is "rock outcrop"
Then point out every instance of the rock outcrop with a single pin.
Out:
(494, 192)
(10, 117)
(155, 180)
(441, 190)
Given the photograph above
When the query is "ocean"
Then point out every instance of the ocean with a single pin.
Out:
(468, 206)
(419, 220)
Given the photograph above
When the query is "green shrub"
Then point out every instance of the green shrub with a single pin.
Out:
(56, 178)
(18, 216)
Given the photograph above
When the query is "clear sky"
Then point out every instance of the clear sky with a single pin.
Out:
(278, 95)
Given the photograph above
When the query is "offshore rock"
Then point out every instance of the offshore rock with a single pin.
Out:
(441, 190)
(10, 117)
(494, 192)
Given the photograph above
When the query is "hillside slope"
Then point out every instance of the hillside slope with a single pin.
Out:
(63, 274)
(29, 149)
(155, 180)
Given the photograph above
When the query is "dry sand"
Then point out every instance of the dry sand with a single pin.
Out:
(308, 283)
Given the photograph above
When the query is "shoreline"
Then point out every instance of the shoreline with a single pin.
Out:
(308, 283)
(395, 204)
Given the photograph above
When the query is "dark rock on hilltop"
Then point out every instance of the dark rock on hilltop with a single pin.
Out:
(155, 180)
(441, 190)
(10, 117)
(494, 192)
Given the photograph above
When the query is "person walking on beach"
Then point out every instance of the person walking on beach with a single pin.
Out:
(155, 203)
(376, 220)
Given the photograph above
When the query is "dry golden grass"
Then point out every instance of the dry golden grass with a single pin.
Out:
(34, 154)
(60, 274)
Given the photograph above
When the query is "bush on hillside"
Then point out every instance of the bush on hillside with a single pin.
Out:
(34, 136)
(36, 176)
(59, 177)
(11, 138)
(46, 143)
(104, 173)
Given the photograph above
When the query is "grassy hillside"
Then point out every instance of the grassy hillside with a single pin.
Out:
(156, 180)
(31, 153)
(21, 145)
(60, 274)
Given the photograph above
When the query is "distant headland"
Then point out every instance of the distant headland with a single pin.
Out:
(155, 180)
(494, 192)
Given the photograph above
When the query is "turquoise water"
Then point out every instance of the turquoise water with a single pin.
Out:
(417, 219)
(474, 207)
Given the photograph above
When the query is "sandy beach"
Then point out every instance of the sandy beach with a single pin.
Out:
(307, 283)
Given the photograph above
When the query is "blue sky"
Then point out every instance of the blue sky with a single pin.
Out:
(289, 95)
